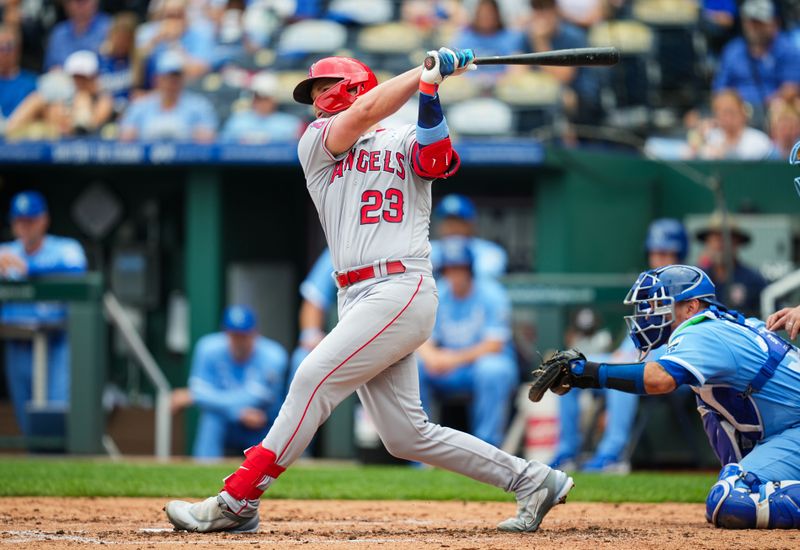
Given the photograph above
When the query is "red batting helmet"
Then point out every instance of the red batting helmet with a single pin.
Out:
(352, 73)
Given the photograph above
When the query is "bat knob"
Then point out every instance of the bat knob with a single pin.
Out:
(429, 63)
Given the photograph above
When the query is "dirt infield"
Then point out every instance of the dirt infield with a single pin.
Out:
(140, 523)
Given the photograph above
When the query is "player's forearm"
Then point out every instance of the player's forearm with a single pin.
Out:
(427, 351)
(229, 403)
(473, 353)
(385, 99)
(639, 378)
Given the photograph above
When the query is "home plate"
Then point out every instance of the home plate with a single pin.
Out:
(156, 530)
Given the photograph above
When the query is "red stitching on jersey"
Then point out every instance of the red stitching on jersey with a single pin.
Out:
(305, 411)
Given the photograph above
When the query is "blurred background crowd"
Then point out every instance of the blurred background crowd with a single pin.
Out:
(698, 79)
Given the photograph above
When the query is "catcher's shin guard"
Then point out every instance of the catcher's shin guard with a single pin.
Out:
(739, 501)
(249, 481)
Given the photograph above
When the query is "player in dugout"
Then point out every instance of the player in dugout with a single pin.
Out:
(372, 189)
(746, 380)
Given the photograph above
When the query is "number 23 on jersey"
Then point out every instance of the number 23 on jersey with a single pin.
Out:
(377, 206)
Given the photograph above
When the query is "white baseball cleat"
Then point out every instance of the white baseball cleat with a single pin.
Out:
(212, 514)
(532, 509)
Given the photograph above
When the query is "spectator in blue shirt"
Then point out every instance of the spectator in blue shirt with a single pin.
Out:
(718, 21)
(85, 29)
(470, 352)
(173, 32)
(76, 108)
(262, 123)
(237, 381)
(488, 35)
(170, 112)
(762, 64)
(15, 83)
(116, 70)
(34, 253)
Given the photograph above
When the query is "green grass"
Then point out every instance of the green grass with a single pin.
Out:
(79, 477)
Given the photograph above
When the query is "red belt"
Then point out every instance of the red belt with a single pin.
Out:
(347, 278)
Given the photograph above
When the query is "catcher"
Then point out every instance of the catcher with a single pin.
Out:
(747, 381)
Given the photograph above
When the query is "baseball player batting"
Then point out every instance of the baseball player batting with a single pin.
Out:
(372, 189)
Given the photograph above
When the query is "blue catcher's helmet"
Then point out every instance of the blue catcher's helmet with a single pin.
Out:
(794, 158)
(667, 235)
(653, 297)
(455, 251)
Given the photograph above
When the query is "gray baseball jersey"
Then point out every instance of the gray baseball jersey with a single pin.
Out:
(371, 203)
(374, 207)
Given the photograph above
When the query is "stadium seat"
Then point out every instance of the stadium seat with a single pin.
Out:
(535, 97)
(361, 12)
(459, 89)
(484, 116)
(287, 80)
(391, 38)
(629, 37)
(314, 36)
(666, 12)
(529, 88)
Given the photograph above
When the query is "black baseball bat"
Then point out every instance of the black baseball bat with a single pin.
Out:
(576, 57)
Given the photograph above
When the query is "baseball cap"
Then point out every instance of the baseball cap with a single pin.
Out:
(27, 204)
(239, 319)
(456, 206)
(81, 63)
(456, 252)
(169, 62)
(760, 10)
(264, 84)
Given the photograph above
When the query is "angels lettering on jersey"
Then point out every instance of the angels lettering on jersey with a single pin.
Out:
(363, 160)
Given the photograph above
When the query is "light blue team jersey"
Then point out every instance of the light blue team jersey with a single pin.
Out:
(57, 255)
(484, 314)
(153, 123)
(250, 127)
(222, 385)
(490, 258)
(721, 352)
(319, 287)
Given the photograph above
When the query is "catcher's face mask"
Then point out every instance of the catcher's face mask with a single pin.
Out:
(650, 326)
(794, 158)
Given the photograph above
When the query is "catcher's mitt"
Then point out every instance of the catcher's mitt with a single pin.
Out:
(554, 374)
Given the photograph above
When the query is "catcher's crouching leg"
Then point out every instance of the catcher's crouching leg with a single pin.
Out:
(740, 501)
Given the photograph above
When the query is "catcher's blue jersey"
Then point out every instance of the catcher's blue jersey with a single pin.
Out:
(719, 352)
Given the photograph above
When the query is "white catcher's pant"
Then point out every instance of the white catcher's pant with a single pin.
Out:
(381, 324)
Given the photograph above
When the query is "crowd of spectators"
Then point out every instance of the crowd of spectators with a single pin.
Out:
(203, 70)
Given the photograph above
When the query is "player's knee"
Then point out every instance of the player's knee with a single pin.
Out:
(403, 442)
